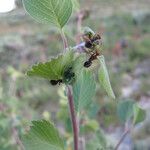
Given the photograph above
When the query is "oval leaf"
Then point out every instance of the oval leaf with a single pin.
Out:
(56, 12)
(42, 136)
(83, 90)
(104, 77)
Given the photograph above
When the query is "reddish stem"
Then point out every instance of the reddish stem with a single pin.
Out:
(73, 118)
(71, 104)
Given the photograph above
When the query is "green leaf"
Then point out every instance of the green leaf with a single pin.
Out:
(56, 12)
(125, 110)
(139, 114)
(83, 90)
(104, 77)
(53, 69)
(42, 136)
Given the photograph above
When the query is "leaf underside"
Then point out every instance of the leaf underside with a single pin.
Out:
(53, 69)
(42, 136)
(104, 77)
(83, 90)
(56, 12)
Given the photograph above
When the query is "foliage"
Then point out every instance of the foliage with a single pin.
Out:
(53, 69)
(128, 110)
(50, 11)
(43, 135)
(82, 93)
(104, 78)
(64, 68)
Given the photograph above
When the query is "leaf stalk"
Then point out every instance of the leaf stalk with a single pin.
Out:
(65, 42)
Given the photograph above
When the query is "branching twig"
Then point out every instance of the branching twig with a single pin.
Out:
(122, 138)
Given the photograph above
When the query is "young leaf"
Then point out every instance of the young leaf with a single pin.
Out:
(104, 77)
(125, 110)
(42, 136)
(56, 12)
(52, 70)
(139, 114)
(83, 90)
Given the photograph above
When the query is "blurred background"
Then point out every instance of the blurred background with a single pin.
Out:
(125, 29)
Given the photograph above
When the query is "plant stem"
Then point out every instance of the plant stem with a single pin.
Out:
(73, 118)
(122, 138)
(65, 42)
(78, 48)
